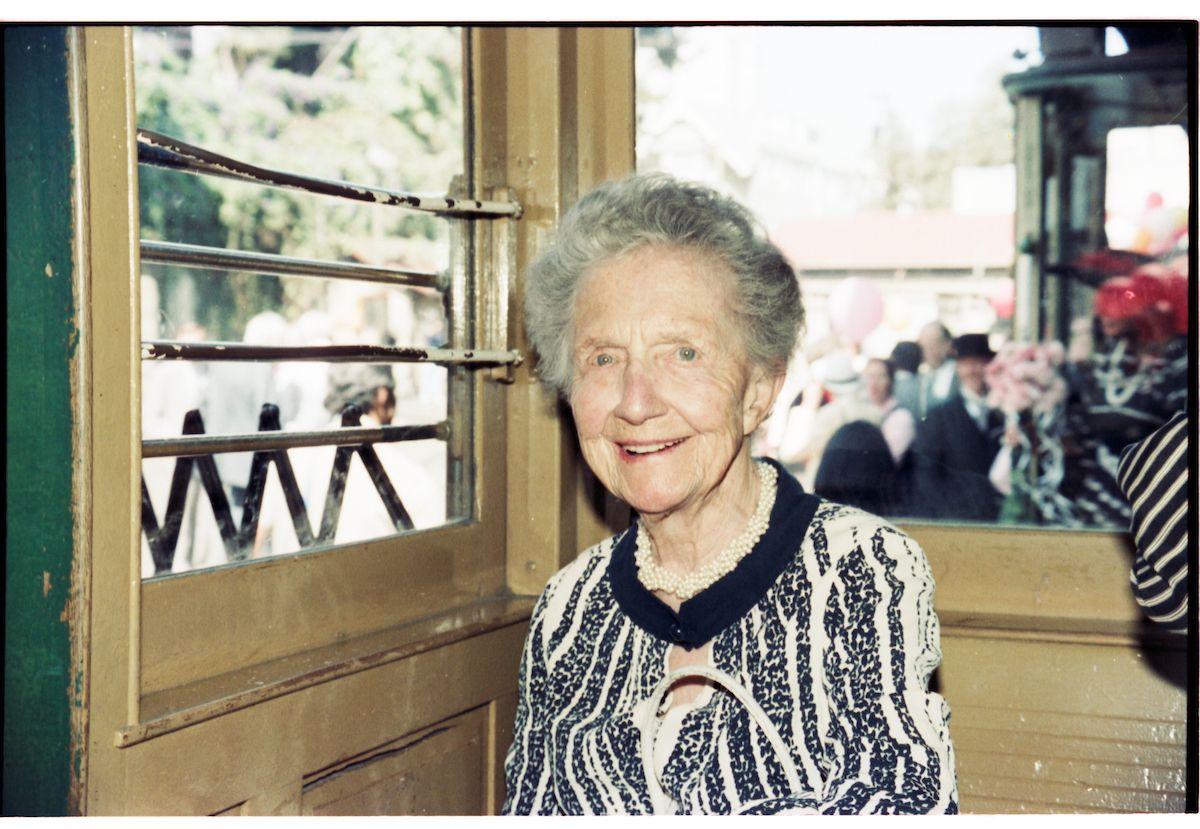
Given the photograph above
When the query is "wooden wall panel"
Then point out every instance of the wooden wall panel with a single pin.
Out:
(260, 754)
(1062, 698)
(1115, 682)
(502, 715)
(1064, 722)
(439, 770)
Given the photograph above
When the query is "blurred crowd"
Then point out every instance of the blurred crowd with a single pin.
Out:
(942, 428)
(938, 428)
(310, 396)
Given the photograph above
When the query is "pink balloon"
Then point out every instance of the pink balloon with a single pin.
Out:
(855, 308)
(1002, 299)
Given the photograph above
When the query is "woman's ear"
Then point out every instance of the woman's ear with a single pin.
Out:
(761, 392)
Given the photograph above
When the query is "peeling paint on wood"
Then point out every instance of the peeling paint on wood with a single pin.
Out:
(166, 151)
(209, 351)
(42, 335)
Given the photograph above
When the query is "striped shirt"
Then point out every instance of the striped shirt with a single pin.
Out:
(829, 623)
(1153, 476)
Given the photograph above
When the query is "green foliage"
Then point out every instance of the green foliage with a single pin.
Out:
(371, 105)
(664, 40)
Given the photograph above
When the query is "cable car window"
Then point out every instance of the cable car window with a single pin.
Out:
(990, 237)
(299, 309)
(1146, 190)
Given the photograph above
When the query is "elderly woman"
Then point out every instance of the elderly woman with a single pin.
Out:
(666, 323)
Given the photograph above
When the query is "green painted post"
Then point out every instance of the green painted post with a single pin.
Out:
(42, 338)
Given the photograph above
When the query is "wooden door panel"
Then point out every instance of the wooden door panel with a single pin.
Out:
(237, 692)
(250, 753)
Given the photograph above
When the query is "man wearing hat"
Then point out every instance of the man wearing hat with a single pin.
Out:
(937, 381)
(958, 441)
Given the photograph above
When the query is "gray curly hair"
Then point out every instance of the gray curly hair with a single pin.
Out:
(652, 209)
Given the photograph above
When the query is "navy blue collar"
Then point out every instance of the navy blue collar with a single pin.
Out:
(704, 616)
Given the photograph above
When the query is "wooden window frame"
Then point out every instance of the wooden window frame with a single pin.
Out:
(198, 656)
(205, 634)
(209, 634)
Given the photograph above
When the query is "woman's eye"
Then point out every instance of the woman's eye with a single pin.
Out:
(687, 353)
(604, 359)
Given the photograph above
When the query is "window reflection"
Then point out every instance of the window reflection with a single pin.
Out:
(991, 238)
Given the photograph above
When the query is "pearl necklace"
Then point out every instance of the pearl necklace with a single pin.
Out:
(656, 577)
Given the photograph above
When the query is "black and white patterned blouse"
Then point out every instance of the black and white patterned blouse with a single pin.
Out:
(829, 623)
(1118, 398)
(1153, 475)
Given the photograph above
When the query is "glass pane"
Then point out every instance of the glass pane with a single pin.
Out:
(1146, 189)
(372, 105)
(964, 358)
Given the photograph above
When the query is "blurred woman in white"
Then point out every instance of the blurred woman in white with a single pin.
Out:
(897, 423)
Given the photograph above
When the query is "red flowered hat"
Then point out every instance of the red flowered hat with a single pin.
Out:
(1123, 298)
(1167, 288)
(1176, 290)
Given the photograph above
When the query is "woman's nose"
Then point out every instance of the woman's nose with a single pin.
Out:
(639, 399)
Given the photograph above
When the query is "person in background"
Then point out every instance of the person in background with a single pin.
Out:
(939, 380)
(1082, 341)
(1133, 382)
(170, 388)
(233, 399)
(898, 426)
(958, 441)
(370, 387)
(857, 470)
(302, 384)
(785, 420)
(1153, 475)
(906, 383)
(363, 516)
(834, 401)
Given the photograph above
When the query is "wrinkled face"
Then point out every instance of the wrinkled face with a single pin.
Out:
(971, 373)
(876, 382)
(935, 348)
(663, 396)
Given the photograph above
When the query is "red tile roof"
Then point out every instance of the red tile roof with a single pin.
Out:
(873, 241)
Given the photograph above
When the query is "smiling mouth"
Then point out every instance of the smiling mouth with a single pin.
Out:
(642, 450)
